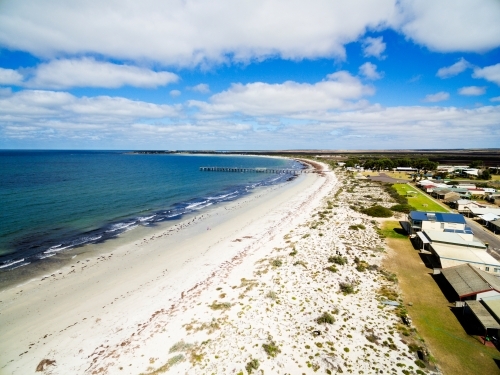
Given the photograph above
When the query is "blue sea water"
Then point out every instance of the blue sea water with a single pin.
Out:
(53, 201)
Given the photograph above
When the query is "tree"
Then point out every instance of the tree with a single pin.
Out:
(485, 175)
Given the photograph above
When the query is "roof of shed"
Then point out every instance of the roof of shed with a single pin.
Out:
(483, 315)
(468, 280)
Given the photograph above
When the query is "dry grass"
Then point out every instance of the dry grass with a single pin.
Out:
(454, 350)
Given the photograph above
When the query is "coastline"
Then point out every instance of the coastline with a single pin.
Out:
(94, 286)
(240, 289)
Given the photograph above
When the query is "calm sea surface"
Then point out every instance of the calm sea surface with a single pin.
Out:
(53, 201)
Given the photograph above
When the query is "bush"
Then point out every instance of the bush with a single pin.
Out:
(337, 259)
(252, 365)
(346, 288)
(326, 318)
(277, 263)
(377, 211)
(406, 208)
(332, 269)
(271, 349)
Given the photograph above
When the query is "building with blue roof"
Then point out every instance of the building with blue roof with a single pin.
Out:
(440, 221)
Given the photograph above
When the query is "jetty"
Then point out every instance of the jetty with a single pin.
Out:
(256, 170)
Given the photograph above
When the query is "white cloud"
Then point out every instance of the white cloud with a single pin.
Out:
(189, 32)
(495, 99)
(437, 97)
(373, 47)
(39, 107)
(467, 26)
(453, 70)
(87, 72)
(369, 71)
(472, 90)
(490, 73)
(202, 88)
(10, 77)
(199, 32)
(175, 93)
(338, 91)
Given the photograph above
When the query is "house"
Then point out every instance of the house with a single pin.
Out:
(453, 249)
(471, 283)
(482, 210)
(477, 191)
(443, 193)
(421, 220)
(463, 205)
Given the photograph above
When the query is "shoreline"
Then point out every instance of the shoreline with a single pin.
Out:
(48, 260)
(241, 290)
(55, 304)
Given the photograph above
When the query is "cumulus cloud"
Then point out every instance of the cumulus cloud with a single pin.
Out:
(202, 88)
(39, 107)
(470, 25)
(472, 90)
(490, 73)
(10, 77)
(437, 97)
(495, 99)
(373, 47)
(175, 93)
(453, 70)
(192, 32)
(369, 71)
(87, 72)
(339, 90)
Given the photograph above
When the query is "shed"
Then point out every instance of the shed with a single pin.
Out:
(470, 282)
(482, 315)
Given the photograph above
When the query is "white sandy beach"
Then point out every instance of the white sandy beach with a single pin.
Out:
(204, 296)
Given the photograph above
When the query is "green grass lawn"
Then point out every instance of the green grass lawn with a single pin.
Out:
(454, 350)
(420, 201)
(392, 229)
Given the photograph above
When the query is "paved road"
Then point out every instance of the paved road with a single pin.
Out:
(485, 235)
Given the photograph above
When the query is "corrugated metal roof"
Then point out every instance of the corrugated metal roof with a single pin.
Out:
(483, 315)
(449, 237)
(468, 280)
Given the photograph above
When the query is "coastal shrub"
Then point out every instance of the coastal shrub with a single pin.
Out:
(326, 318)
(419, 363)
(252, 365)
(277, 263)
(271, 349)
(332, 268)
(220, 306)
(389, 276)
(180, 346)
(346, 288)
(377, 211)
(406, 208)
(356, 227)
(389, 189)
(338, 259)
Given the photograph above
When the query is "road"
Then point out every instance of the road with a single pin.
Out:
(486, 236)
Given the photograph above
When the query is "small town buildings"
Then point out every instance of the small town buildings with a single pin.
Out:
(421, 220)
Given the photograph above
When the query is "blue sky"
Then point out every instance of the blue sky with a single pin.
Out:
(275, 74)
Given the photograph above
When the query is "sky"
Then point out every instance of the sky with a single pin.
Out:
(249, 74)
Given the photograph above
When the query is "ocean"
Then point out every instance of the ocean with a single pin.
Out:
(55, 201)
